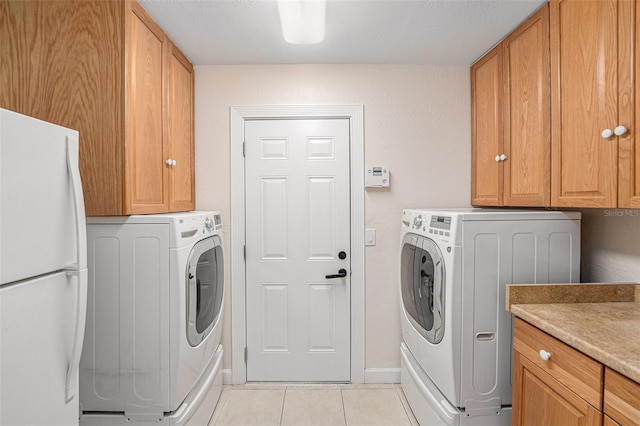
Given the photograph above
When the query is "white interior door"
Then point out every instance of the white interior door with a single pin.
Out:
(297, 233)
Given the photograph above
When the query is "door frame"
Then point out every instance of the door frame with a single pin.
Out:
(355, 115)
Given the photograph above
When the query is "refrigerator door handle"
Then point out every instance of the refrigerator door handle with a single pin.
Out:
(81, 277)
(78, 203)
(79, 269)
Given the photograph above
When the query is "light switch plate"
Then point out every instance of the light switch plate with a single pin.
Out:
(369, 237)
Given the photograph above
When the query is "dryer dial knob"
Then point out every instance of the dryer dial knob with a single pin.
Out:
(208, 223)
(417, 221)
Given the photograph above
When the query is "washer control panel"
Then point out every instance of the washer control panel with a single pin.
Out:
(440, 225)
(433, 225)
(212, 222)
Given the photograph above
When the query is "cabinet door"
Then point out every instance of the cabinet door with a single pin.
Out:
(538, 399)
(584, 102)
(486, 131)
(628, 102)
(621, 398)
(146, 173)
(608, 421)
(527, 133)
(181, 176)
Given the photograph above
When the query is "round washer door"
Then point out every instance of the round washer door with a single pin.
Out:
(205, 287)
(422, 280)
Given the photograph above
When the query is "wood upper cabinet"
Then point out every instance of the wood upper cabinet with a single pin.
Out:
(510, 119)
(106, 69)
(629, 104)
(486, 122)
(565, 389)
(147, 147)
(527, 128)
(594, 57)
(181, 125)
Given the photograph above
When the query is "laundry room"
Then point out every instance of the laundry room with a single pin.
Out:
(192, 317)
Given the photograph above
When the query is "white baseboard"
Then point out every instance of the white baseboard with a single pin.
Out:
(371, 375)
(226, 376)
(382, 375)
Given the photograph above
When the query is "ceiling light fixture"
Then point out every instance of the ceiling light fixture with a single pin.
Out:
(302, 21)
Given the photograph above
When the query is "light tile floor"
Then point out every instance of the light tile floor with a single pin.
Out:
(307, 405)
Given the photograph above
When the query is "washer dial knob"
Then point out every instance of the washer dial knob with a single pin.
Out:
(208, 223)
(417, 221)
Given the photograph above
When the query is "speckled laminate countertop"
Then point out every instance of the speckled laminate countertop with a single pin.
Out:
(602, 321)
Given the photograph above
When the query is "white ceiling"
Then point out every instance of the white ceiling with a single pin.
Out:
(455, 32)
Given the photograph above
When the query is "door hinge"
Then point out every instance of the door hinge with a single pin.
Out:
(245, 354)
(243, 149)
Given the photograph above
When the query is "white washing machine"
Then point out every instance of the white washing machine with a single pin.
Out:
(152, 343)
(454, 268)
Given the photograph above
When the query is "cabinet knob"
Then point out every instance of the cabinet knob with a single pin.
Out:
(501, 157)
(607, 133)
(173, 162)
(546, 356)
(169, 162)
(620, 130)
(497, 158)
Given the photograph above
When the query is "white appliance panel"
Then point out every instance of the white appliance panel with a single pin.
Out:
(38, 225)
(128, 290)
(37, 346)
(137, 359)
(43, 273)
(483, 251)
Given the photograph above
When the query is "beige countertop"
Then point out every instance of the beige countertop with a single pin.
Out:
(600, 320)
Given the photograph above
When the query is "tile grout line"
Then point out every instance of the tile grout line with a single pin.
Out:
(284, 399)
(344, 410)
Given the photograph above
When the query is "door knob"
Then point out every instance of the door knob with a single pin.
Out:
(341, 274)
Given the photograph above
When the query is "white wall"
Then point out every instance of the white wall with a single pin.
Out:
(417, 123)
(610, 245)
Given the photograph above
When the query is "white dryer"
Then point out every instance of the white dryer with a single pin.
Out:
(155, 298)
(457, 334)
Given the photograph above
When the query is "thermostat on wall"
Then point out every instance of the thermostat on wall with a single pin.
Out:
(376, 177)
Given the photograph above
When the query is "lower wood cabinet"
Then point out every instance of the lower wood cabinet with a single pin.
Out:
(557, 385)
(621, 399)
(565, 389)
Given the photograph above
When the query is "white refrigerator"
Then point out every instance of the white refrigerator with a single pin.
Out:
(43, 272)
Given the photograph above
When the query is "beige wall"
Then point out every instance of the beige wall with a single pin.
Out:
(610, 245)
(417, 123)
